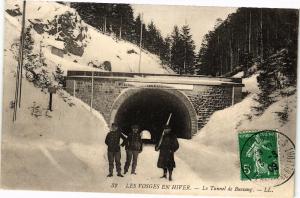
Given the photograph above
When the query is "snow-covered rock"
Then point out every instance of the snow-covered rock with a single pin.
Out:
(93, 44)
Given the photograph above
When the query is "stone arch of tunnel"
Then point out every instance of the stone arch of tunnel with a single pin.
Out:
(150, 108)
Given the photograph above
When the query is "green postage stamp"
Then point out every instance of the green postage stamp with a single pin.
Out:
(259, 155)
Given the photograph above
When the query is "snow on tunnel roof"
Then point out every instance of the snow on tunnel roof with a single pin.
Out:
(137, 79)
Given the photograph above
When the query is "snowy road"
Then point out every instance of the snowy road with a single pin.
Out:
(59, 166)
(65, 151)
(148, 173)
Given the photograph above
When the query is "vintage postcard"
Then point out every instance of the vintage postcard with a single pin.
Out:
(151, 99)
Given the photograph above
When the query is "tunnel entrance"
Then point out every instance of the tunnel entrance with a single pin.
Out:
(150, 108)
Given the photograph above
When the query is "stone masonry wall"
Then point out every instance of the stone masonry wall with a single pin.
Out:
(206, 99)
(105, 92)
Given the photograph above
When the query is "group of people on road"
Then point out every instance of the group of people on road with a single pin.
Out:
(133, 143)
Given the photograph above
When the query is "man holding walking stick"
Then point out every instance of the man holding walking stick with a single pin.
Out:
(167, 145)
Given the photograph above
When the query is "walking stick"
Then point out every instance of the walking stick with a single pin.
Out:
(163, 133)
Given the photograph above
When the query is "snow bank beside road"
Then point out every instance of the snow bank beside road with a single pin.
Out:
(214, 150)
(63, 150)
(251, 84)
(47, 150)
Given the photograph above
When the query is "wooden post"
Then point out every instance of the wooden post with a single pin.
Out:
(74, 88)
(92, 91)
(184, 61)
(104, 24)
(232, 96)
(261, 37)
(170, 55)
(51, 91)
(21, 49)
(120, 34)
(249, 43)
(18, 90)
(141, 39)
(50, 102)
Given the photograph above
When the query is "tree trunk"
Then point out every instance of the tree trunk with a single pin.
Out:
(261, 37)
(104, 24)
(231, 52)
(249, 33)
(120, 34)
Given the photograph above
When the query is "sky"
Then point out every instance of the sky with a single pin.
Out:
(200, 19)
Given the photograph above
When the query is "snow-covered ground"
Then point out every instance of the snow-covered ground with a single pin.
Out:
(65, 150)
(103, 48)
(216, 144)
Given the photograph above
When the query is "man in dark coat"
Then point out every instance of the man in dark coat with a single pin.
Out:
(167, 146)
(112, 141)
(133, 146)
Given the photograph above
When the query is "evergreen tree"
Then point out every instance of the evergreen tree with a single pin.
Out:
(182, 51)
(203, 57)
(165, 54)
(247, 36)
(151, 38)
(264, 38)
(125, 21)
(177, 53)
(154, 41)
(188, 50)
(108, 18)
(118, 19)
(59, 75)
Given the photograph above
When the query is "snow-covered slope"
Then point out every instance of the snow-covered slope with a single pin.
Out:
(123, 56)
(216, 144)
(48, 150)
(64, 149)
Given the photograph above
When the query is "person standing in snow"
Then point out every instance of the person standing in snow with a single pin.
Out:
(133, 146)
(167, 145)
(112, 141)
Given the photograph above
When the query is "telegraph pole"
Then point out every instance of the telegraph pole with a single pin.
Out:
(184, 62)
(120, 34)
(21, 58)
(104, 24)
(141, 39)
(92, 92)
(18, 90)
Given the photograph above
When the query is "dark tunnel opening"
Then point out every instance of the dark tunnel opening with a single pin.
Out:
(150, 109)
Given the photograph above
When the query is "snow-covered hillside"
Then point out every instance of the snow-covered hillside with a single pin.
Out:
(63, 149)
(217, 141)
(98, 48)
